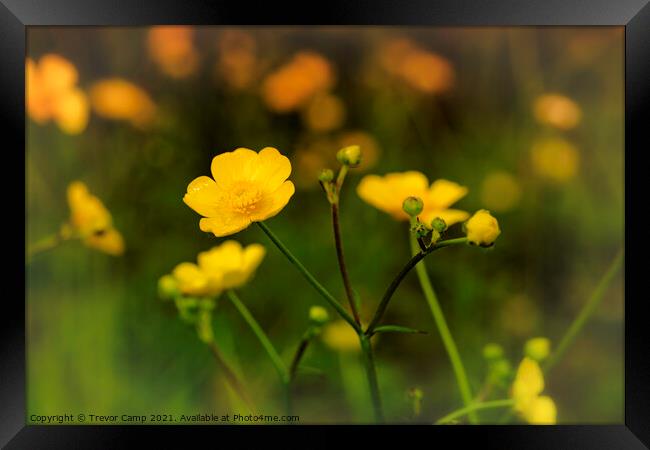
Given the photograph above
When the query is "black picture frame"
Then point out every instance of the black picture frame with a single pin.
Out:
(633, 15)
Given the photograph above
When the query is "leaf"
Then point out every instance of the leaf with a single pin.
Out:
(397, 329)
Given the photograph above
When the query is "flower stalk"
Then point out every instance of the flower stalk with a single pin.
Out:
(364, 340)
(231, 377)
(261, 336)
(417, 257)
(445, 334)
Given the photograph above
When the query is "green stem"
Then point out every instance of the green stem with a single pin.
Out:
(474, 407)
(367, 350)
(300, 352)
(264, 340)
(42, 245)
(445, 334)
(586, 312)
(310, 278)
(338, 242)
(417, 257)
(232, 378)
(369, 364)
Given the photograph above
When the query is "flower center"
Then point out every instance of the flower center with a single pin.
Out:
(244, 197)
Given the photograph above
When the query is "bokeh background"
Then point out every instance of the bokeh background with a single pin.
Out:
(530, 119)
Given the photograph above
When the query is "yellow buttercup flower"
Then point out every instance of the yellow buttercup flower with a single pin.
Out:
(526, 389)
(387, 193)
(193, 281)
(225, 266)
(234, 263)
(341, 337)
(482, 229)
(557, 110)
(119, 99)
(247, 187)
(91, 221)
(52, 94)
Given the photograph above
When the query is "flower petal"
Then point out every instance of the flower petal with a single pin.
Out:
(72, 111)
(224, 224)
(230, 167)
(109, 241)
(191, 280)
(541, 411)
(225, 257)
(253, 256)
(203, 196)
(529, 381)
(274, 202)
(450, 216)
(272, 169)
(444, 193)
(387, 193)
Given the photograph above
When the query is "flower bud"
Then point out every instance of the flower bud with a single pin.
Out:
(482, 229)
(420, 230)
(500, 371)
(439, 224)
(350, 155)
(318, 315)
(537, 348)
(492, 352)
(326, 175)
(167, 287)
(413, 206)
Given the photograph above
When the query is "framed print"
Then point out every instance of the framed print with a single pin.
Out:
(397, 217)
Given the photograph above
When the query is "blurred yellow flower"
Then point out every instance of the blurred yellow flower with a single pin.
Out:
(482, 228)
(325, 112)
(91, 221)
(555, 159)
(340, 336)
(526, 390)
(387, 193)
(247, 187)
(52, 94)
(237, 60)
(172, 49)
(119, 99)
(225, 266)
(423, 70)
(234, 263)
(557, 110)
(193, 281)
(294, 84)
(500, 191)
